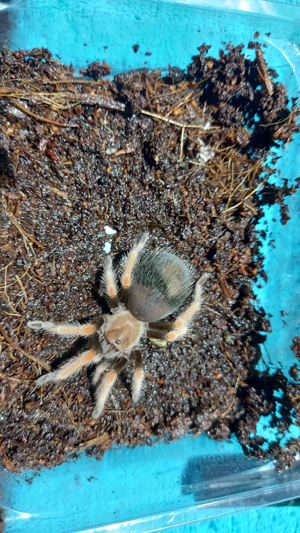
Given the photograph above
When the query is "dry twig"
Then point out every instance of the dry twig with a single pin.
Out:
(174, 122)
(24, 233)
(10, 342)
(181, 144)
(42, 119)
(262, 71)
(97, 441)
(233, 399)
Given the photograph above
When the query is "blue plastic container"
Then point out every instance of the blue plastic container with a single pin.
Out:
(149, 489)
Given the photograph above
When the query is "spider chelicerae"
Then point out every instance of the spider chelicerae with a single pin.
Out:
(153, 286)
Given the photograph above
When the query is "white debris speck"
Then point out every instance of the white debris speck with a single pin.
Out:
(201, 121)
(107, 247)
(109, 231)
(205, 152)
(23, 134)
(16, 112)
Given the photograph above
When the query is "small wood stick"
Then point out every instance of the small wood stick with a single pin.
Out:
(262, 71)
(42, 119)
(181, 144)
(18, 348)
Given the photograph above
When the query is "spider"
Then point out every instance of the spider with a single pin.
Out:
(153, 286)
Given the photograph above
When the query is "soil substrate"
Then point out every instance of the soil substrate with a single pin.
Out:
(183, 156)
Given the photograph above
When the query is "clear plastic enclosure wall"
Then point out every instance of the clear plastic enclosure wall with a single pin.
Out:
(148, 489)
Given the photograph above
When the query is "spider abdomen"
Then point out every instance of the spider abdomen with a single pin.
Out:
(161, 283)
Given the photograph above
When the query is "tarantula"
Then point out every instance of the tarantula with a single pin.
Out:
(153, 286)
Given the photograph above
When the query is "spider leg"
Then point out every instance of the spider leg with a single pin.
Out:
(132, 259)
(158, 334)
(159, 330)
(171, 331)
(180, 325)
(107, 384)
(69, 368)
(100, 369)
(161, 326)
(110, 283)
(92, 354)
(168, 334)
(138, 376)
(82, 330)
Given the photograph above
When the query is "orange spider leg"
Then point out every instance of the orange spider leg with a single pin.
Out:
(63, 329)
(132, 260)
(68, 368)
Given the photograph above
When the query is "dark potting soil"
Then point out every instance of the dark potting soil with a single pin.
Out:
(182, 156)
